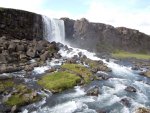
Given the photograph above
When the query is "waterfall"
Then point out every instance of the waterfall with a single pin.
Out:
(53, 30)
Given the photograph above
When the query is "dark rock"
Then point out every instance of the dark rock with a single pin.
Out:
(101, 111)
(3, 59)
(12, 47)
(19, 24)
(22, 56)
(102, 76)
(31, 52)
(106, 37)
(130, 89)
(94, 91)
(125, 102)
(135, 68)
(28, 68)
(44, 56)
(20, 47)
(51, 70)
(57, 55)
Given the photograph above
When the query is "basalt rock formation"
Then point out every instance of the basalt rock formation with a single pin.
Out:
(100, 37)
(20, 24)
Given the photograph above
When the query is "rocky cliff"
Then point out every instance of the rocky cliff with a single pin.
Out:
(100, 37)
(20, 24)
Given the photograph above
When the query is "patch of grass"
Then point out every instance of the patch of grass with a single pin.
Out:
(22, 97)
(59, 81)
(80, 70)
(5, 84)
(123, 54)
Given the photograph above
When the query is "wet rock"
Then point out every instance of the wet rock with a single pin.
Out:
(44, 56)
(142, 110)
(130, 89)
(20, 47)
(94, 91)
(135, 68)
(71, 60)
(125, 102)
(11, 47)
(13, 109)
(3, 59)
(107, 60)
(57, 55)
(28, 68)
(101, 111)
(51, 70)
(22, 56)
(146, 73)
(102, 76)
(80, 54)
(31, 52)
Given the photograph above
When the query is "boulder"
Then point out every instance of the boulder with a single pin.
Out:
(94, 91)
(12, 47)
(20, 47)
(125, 102)
(147, 73)
(31, 52)
(135, 68)
(3, 59)
(57, 55)
(102, 76)
(28, 68)
(142, 110)
(130, 89)
(44, 56)
(22, 56)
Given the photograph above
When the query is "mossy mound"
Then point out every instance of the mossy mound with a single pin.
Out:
(80, 70)
(69, 76)
(59, 81)
(96, 65)
(5, 84)
(22, 96)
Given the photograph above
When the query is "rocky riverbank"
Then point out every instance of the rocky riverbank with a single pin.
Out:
(25, 55)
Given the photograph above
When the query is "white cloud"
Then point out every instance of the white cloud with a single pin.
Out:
(117, 16)
(29, 5)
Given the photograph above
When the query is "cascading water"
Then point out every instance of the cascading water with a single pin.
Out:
(112, 90)
(54, 29)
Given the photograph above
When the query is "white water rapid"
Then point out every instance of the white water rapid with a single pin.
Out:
(112, 90)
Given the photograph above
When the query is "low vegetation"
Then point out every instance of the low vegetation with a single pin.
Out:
(5, 84)
(123, 54)
(22, 96)
(79, 70)
(59, 81)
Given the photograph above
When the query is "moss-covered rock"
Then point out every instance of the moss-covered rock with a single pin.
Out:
(22, 96)
(80, 70)
(59, 81)
(96, 65)
(5, 84)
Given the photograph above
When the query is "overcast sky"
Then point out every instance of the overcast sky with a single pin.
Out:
(129, 13)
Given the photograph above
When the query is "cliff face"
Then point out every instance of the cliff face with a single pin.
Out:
(20, 24)
(100, 37)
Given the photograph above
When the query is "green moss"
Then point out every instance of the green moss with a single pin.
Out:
(5, 84)
(80, 70)
(123, 54)
(59, 81)
(22, 97)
